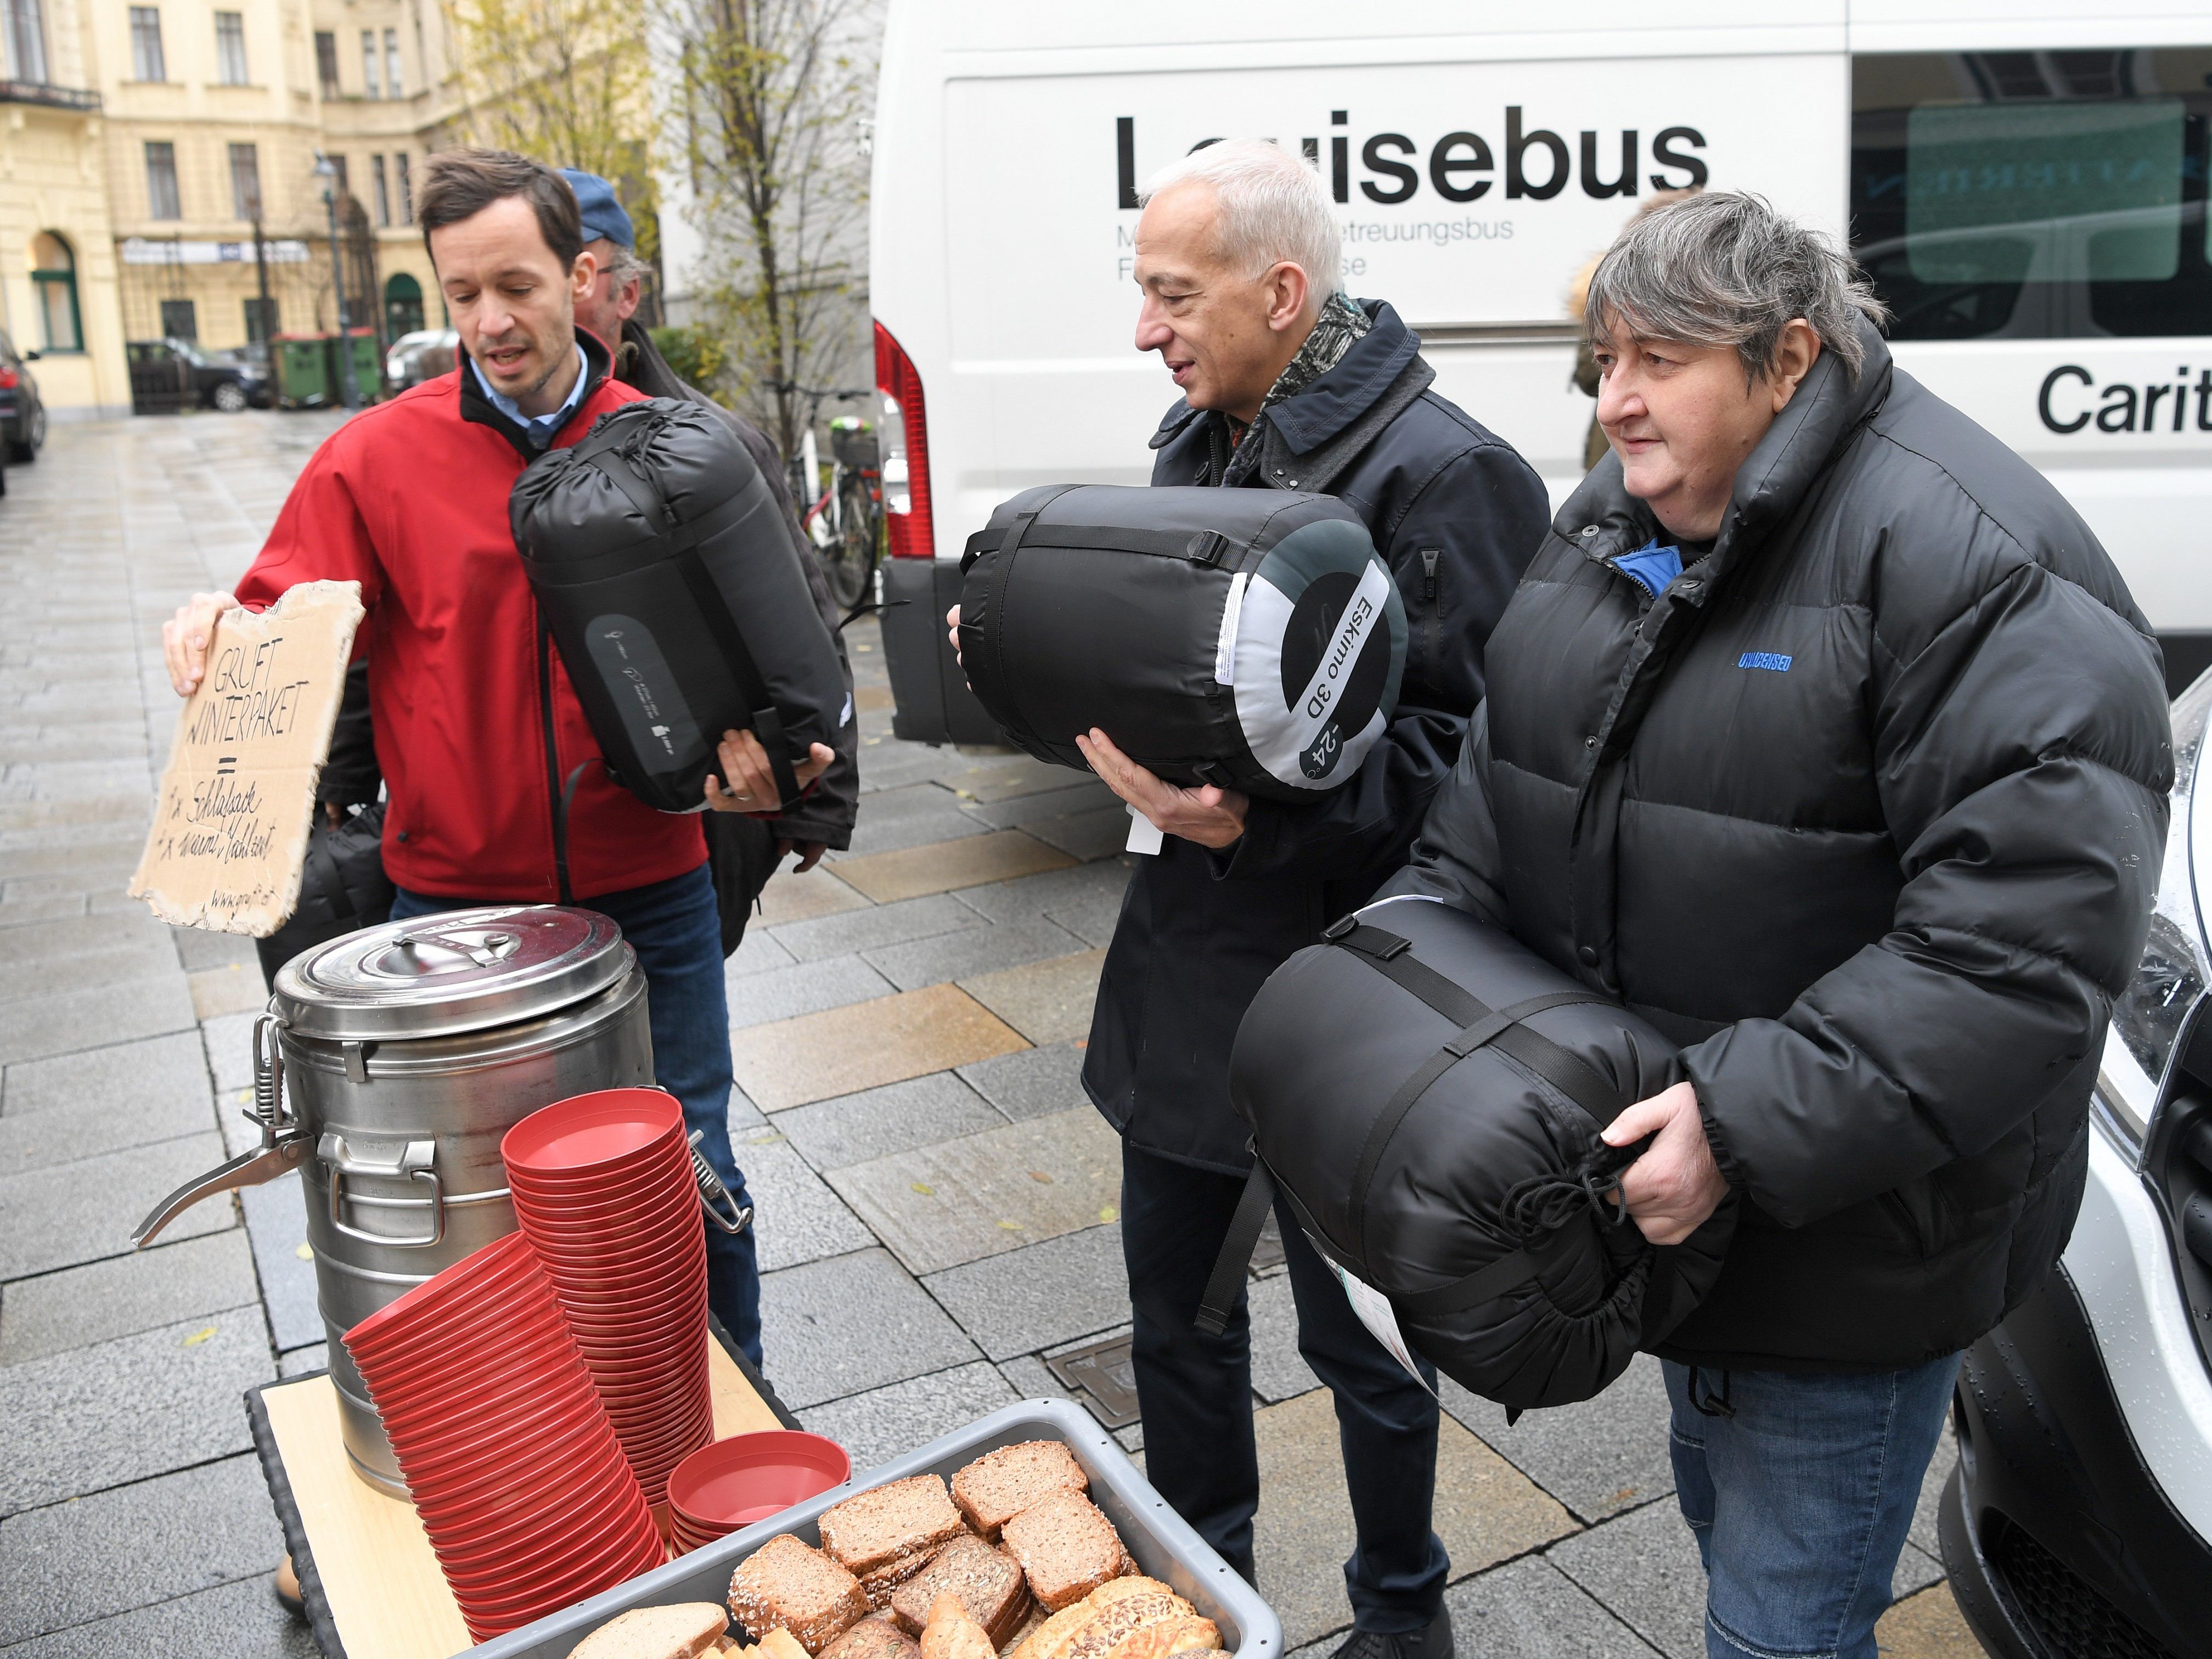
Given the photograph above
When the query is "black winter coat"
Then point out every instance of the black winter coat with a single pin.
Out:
(1456, 513)
(1867, 810)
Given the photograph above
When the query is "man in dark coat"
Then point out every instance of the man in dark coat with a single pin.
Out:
(1823, 734)
(1287, 385)
(744, 851)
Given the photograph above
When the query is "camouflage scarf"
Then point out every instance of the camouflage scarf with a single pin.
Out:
(1341, 323)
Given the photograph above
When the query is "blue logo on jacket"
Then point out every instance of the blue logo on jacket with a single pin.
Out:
(1780, 664)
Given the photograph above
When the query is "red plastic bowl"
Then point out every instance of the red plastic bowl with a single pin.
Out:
(500, 1271)
(658, 1164)
(576, 1137)
(749, 1477)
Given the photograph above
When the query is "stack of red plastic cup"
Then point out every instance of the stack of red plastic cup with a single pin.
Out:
(728, 1486)
(604, 1188)
(510, 1458)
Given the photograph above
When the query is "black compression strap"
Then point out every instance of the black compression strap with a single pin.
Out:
(1244, 1230)
(1486, 1027)
(1200, 547)
(766, 722)
(1569, 1074)
(1477, 1288)
(610, 465)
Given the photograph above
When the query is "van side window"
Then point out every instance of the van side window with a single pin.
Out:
(2034, 195)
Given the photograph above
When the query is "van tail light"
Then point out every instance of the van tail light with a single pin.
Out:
(905, 431)
(7, 378)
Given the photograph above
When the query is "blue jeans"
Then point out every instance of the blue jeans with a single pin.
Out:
(672, 927)
(1800, 1490)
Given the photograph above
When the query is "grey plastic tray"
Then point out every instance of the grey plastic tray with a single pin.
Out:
(1161, 1542)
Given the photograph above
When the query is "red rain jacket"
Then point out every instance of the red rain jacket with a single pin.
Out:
(477, 729)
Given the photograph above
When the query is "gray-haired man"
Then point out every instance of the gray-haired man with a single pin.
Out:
(1823, 734)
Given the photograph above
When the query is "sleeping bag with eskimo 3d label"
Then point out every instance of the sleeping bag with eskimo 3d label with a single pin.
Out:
(1251, 639)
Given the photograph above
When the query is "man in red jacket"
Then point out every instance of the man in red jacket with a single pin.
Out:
(498, 793)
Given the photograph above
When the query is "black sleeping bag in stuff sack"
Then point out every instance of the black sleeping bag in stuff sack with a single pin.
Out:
(1247, 638)
(1428, 1094)
(662, 567)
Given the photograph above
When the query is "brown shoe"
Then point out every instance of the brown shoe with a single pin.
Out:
(288, 1589)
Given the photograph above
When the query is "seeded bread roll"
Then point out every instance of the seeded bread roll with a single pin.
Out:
(785, 1583)
(988, 1582)
(1124, 1605)
(873, 1638)
(681, 1632)
(952, 1634)
(778, 1643)
(874, 1528)
(1067, 1548)
(1000, 1485)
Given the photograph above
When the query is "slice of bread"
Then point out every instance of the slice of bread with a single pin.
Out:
(1067, 1548)
(873, 1638)
(907, 1517)
(952, 1634)
(885, 1580)
(681, 1632)
(785, 1584)
(1000, 1485)
(988, 1582)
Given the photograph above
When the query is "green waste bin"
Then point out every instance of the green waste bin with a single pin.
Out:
(367, 364)
(303, 370)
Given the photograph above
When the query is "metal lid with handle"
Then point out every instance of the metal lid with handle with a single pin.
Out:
(455, 971)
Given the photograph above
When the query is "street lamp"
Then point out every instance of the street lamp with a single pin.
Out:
(326, 170)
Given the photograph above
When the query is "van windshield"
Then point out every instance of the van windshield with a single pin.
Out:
(2034, 195)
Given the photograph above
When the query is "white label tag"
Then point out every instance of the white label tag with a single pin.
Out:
(1375, 1311)
(1143, 836)
(1225, 647)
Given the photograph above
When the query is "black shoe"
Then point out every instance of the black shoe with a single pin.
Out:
(1433, 1643)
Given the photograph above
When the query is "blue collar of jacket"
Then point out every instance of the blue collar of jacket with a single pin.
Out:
(1328, 406)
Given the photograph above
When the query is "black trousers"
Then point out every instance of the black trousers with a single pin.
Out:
(1195, 1394)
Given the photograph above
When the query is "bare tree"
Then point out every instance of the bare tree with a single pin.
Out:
(772, 97)
(561, 81)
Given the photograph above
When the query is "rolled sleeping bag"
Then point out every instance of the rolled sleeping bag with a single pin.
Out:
(1247, 638)
(1428, 1094)
(663, 569)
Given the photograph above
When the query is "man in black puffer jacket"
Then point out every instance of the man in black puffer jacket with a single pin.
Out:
(1823, 734)
(1287, 387)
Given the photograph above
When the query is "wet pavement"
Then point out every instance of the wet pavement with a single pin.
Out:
(938, 1202)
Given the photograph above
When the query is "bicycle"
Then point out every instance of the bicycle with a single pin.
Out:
(844, 521)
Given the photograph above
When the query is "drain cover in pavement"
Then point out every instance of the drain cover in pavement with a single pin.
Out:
(1105, 1373)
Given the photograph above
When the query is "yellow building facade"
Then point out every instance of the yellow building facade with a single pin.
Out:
(143, 144)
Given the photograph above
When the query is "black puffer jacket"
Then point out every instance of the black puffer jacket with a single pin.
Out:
(1456, 513)
(1867, 810)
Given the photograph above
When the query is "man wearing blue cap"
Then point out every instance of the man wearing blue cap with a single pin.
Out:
(744, 851)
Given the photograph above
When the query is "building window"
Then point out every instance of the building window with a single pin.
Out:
(230, 48)
(146, 60)
(368, 63)
(403, 306)
(162, 200)
(406, 190)
(341, 186)
(260, 320)
(383, 191)
(326, 61)
(27, 39)
(180, 320)
(244, 182)
(392, 64)
(53, 284)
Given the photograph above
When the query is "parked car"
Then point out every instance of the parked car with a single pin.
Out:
(423, 356)
(2079, 1519)
(172, 374)
(23, 415)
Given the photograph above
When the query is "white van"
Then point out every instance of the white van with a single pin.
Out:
(2025, 182)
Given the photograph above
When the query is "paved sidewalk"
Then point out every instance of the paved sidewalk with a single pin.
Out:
(938, 1202)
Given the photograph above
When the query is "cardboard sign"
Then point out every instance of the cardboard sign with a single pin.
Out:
(230, 831)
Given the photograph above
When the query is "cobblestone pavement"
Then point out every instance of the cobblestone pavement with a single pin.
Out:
(937, 1201)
